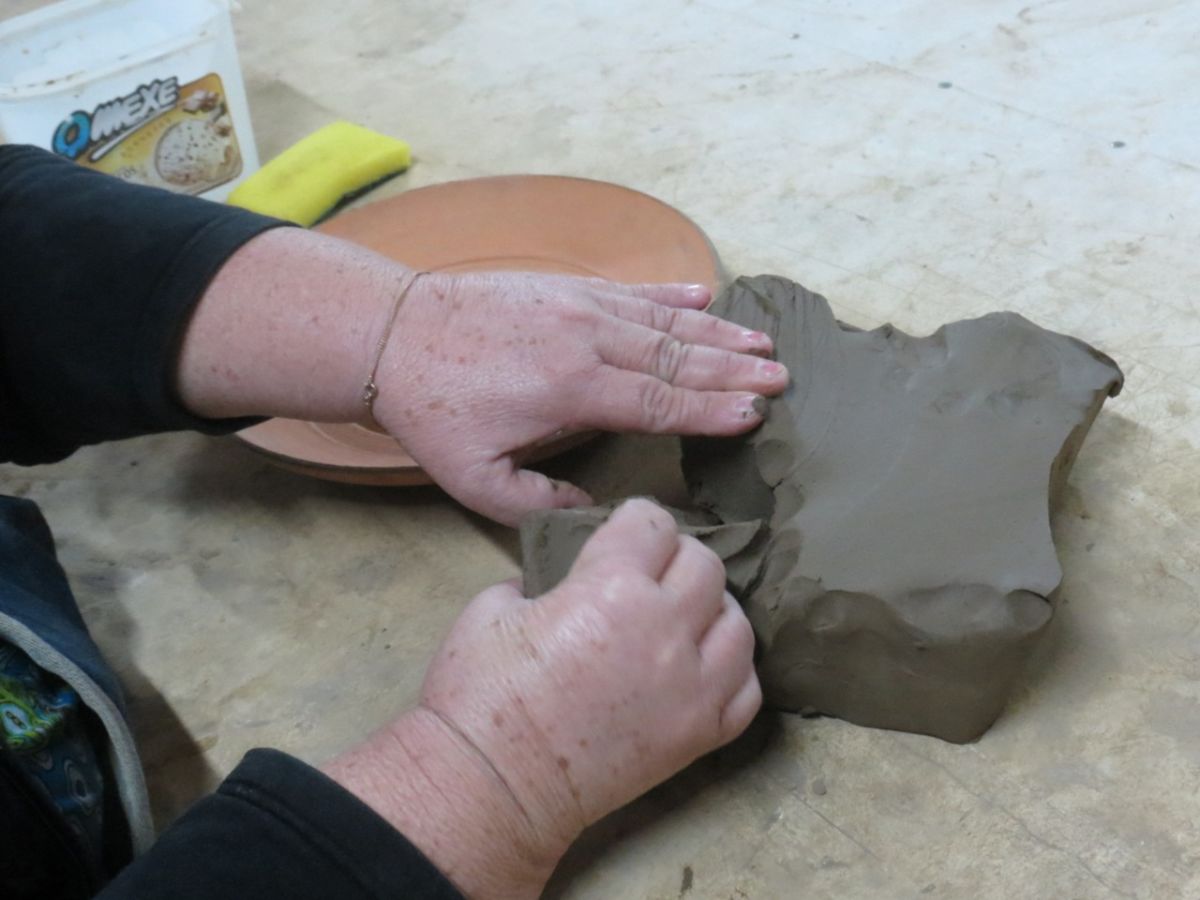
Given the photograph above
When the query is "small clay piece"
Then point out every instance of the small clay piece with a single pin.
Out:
(552, 538)
(907, 483)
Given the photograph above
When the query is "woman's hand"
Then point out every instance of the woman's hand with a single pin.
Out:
(479, 368)
(539, 717)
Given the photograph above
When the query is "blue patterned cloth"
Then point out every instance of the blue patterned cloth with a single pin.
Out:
(42, 725)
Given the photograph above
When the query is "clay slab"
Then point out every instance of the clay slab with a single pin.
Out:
(908, 483)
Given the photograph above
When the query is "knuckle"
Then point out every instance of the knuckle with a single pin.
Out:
(733, 365)
(664, 318)
(706, 560)
(756, 694)
(734, 721)
(654, 515)
(716, 327)
(671, 650)
(660, 403)
(639, 504)
(713, 561)
(705, 327)
(575, 313)
(744, 637)
(621, 586)
(669, 358)
(659, 518)
(729, 725)
(708, 406)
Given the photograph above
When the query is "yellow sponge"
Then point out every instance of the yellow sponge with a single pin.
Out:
(314, 175)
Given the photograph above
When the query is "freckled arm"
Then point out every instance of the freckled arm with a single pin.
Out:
(288, 328)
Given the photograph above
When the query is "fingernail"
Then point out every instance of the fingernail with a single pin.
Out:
(696, 291)
(756, 338)
(770, 369)
(752, 406)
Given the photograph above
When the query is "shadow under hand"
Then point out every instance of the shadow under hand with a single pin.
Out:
(177, 771)
(220, 472)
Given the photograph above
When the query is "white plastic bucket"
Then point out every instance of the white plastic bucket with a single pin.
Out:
(147, 90)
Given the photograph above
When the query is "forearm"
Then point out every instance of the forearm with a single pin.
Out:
(442, 795)
(288, 327)
(277, 828)
(99, 278)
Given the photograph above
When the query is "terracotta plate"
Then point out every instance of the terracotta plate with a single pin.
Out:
(538, 223)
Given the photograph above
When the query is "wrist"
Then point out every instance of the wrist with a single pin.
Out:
(288, 328)
(370, 385)
(431, 784)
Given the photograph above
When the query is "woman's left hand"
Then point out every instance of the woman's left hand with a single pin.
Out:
(476, 369)
(480, 367)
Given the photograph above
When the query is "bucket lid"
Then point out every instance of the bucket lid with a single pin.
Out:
(66, 44)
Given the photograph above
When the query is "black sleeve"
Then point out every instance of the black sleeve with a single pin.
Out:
(97, 280)
(278, 828)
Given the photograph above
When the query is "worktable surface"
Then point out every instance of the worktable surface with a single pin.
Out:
(916, 162)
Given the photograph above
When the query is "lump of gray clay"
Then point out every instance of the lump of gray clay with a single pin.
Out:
(905, 569)
(552, 538)
(908, 484)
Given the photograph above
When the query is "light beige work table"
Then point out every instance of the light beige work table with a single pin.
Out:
(917, 162)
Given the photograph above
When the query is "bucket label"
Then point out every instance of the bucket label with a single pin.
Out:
(173, 136)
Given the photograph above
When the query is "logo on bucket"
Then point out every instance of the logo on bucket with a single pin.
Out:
(166, 134)
(104, 127)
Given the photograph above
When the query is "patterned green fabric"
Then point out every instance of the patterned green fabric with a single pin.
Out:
(40, 722)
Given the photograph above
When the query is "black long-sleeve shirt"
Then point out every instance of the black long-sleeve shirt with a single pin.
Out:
(97, 281)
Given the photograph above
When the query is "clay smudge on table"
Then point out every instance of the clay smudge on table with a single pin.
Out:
(908, 483)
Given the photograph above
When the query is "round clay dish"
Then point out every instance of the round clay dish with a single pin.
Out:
(540, 223)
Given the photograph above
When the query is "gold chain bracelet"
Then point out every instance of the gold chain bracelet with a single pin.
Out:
(370, 389)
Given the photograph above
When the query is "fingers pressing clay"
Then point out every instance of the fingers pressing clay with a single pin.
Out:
(697, 366)
(589, 695)
(741, 710)
(505, 493)
(727, 649)
(629, 401)
(727, 658)
(479, 367)
(639, 534)
(688, 325)
(552, 538)
(695, 580)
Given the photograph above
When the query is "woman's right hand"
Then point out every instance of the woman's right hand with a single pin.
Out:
(537, 717)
